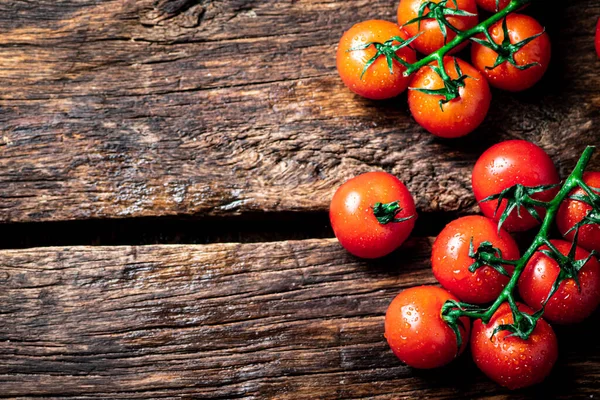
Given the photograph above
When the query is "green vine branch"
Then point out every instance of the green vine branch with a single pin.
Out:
(524, 323)
(461, 36)
(439, 11)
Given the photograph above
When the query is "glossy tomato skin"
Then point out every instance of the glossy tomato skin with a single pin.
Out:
(450, 259)
(491, 6)
(572, 211)
(415, 331)
(431, 38)
(460, 116)
(377, 82)
(568, 305)
(507, 164)
(508, 360)
(353, 221)
(506, 76)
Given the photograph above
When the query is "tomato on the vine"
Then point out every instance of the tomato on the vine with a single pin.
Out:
(458, 116)
(532, 59)
(450, 259)
(374, 81)
(492, 5)
(431, 36)
(572, 212)
(416, 332)
(572, 302)
(507, 164)
(372, 214)
(509, 360)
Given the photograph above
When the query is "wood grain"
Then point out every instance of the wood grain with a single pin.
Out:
(148, 108)
(285, 320)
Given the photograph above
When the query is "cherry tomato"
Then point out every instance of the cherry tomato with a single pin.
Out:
(459, 116)
(569, 304)
(598, 38)
(353, 214)
(509, 360)
(506, 76)
(377, 82)
(416, 332)
(491, 5)
(507, 164)
(431, 37)
(572, 212)
(450, 259)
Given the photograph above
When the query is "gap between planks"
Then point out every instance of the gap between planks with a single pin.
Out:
(247, 228)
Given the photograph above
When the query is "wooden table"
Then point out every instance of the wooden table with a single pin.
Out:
(222, 129)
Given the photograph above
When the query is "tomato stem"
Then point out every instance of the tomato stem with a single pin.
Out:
(386, 213)
(461, 36)
(524, 323)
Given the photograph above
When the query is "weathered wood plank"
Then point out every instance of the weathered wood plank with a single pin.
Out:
(148, 108)
(284, 320)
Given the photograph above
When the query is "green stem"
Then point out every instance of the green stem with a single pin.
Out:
(461, 36)
(573, 181)
(493, 259)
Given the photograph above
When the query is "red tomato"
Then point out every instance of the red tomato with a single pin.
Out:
(598, 38)
(431, 37)
(353, 219)
(509, 360)
(568, 305)
(377, 82)
(572, 212)
(507, 164)
(491, 5)
(506, 76)
(450, 259)
(459, 116)
(416, 332)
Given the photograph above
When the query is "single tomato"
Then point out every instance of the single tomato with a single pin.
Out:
(450, 259)
(535, 54)
(416, 332)
(372, 214)
(457, 117)
(509, 360)
(572, 212)
(431, 37)
(375, 81)
(570, 303)
(507, 164)
(492, 5)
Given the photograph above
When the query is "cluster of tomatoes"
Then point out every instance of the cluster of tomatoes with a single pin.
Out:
(374, 213)
(372, 57)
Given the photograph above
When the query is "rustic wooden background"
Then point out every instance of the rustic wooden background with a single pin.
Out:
(196, 145)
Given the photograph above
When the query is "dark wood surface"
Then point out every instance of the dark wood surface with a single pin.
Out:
(149, 108)
(286, 320)
(197, 121)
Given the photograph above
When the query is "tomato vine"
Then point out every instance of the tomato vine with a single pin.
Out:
(524, 323)
(439, 12)
(461, 36)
